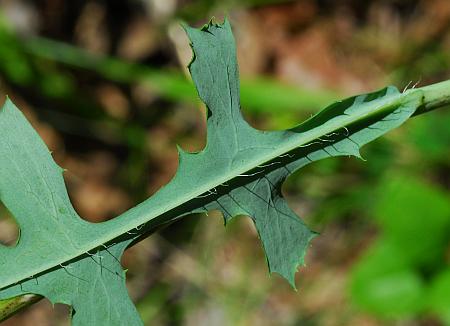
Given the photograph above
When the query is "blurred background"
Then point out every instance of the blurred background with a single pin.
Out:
(105, 85)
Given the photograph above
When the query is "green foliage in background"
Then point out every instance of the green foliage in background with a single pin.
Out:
(405, 271)
(34, 59)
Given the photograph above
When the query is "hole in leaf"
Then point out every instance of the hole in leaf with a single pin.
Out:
(9, 230)
(61, 313)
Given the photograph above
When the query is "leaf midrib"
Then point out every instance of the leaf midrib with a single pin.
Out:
(291, 144)
(129, 220)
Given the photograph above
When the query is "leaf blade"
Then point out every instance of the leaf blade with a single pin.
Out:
(237, 158)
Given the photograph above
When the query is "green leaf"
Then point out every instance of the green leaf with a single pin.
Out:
(231, 140)
(387, 280)
(383, 283)
(51, 232)
(240, 171)
(402, 204)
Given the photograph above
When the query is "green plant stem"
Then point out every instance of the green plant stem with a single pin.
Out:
(11, 306)
(434, 96)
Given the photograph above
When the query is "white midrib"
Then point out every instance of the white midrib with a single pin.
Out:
(128, 222)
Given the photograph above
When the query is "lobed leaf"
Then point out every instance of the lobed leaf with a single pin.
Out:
(239, 172)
